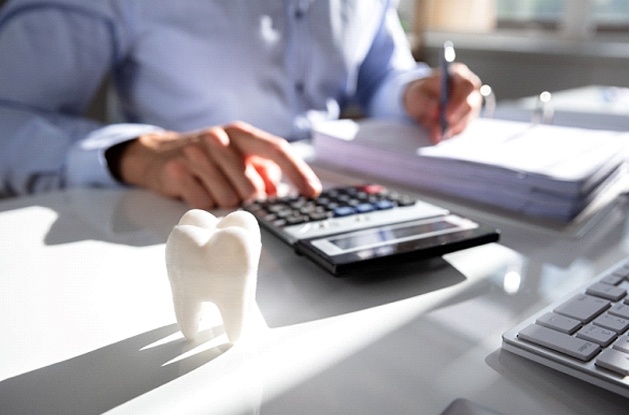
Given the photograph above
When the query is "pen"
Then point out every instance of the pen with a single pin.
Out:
(447, 57)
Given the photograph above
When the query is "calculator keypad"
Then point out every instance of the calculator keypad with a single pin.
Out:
(333, 203)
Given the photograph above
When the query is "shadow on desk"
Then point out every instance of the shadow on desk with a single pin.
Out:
(105, 378)
(131, 217)
(292, 289)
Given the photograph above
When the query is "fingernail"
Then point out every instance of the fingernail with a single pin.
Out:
(315, 185)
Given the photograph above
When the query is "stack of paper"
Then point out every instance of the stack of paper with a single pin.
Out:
(539, 170)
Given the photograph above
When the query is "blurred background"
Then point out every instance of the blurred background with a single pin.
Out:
(522, 47)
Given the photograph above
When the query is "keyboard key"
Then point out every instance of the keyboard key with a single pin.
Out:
(620, 310)
(612, 279)
(559, 342)
(558, 322)
(623, 271)
(583, 307)
(614, 360)
(619, 325)
(596, 334)
(622, 344)
(607, 291)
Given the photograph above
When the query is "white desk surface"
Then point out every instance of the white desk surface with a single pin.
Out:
(87, 323)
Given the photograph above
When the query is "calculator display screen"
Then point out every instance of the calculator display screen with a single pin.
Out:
(381, 235)
(362, 250)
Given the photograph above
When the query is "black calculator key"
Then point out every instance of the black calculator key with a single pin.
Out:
(297, 219)
(315, 216)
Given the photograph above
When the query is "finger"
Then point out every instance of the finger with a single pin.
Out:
(269, 172)
(423, 105)
(180, 182)
(465, 84)
(469, 112)
(252, 141)
(469, 107)
(462, 114)
(260, 184)
(422, 97)
(211, 176)
(431, 120)
(461, 107)
(436, 133)
(244, 181)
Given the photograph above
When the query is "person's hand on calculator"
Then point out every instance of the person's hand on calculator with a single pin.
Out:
(214, 167)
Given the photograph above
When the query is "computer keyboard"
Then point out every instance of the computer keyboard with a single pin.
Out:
(584, 334)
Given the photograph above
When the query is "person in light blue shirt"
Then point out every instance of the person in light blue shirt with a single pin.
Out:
(208, 92)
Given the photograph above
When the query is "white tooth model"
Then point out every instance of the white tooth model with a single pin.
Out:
(215, 260)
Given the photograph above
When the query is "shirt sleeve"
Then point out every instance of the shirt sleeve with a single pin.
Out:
(86, 163)
(388, 67)
(59, 56)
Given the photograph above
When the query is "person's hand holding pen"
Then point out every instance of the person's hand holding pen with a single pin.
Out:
(423, 101)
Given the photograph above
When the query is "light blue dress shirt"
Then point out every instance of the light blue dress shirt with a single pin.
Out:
(280, 65)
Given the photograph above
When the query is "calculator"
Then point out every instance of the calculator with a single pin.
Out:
(352, 228)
